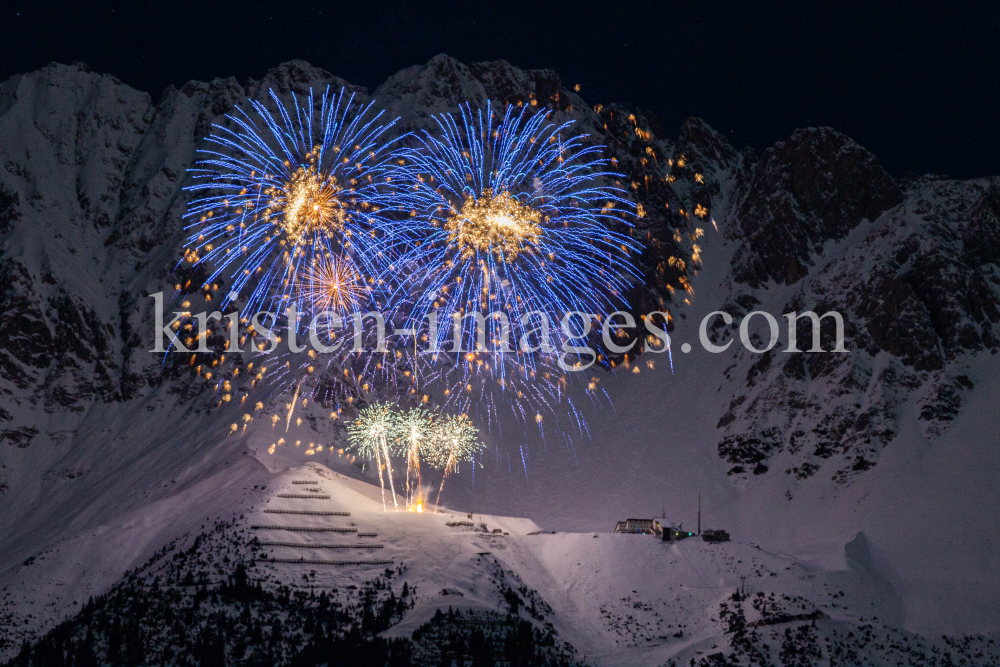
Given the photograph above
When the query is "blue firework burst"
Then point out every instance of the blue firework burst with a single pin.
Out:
(291, 208)
(511, 214)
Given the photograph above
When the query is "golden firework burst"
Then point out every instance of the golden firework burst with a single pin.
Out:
(333, 284)
(306, 203)
(497, 224)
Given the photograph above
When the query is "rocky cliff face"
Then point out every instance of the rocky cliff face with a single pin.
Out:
(91, 205)
(819, 226)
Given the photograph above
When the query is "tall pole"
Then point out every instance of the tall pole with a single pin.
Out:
(699, 514)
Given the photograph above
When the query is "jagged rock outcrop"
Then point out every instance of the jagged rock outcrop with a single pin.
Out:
(802, 193)
(908, 267)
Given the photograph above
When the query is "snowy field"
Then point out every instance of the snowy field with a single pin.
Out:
(618, 599)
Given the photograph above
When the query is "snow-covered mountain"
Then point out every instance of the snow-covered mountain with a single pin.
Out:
(878, 466)
(275, 581)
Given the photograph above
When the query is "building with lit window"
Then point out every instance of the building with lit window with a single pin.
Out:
(635, 526)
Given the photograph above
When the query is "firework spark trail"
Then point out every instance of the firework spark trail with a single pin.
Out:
(455, 439)
(381, 481)
(369, 434)
(291, 406)
(413, 429)
(388, 470)
(334, 285)
(508, 216)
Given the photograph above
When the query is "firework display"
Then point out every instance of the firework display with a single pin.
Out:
(332, 284)
(290, 210)
(369, 435)
(455, 440)
(516, 219)
(413, 431)
(495, 226)
(417, 434)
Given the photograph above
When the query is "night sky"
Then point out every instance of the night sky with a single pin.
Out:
(916, 83)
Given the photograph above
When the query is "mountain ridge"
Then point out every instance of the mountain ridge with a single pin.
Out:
(91, 201)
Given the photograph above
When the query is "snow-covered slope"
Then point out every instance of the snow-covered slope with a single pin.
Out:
(597, 598)
(107, 453)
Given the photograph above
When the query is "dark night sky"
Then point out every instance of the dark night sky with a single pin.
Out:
(917, 83)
